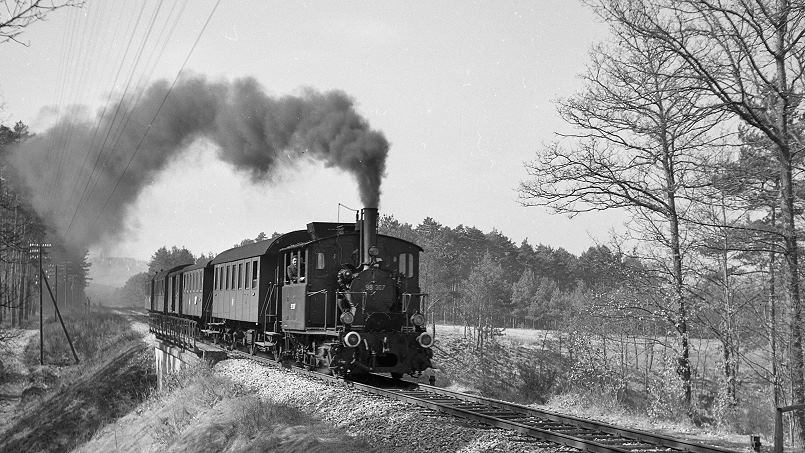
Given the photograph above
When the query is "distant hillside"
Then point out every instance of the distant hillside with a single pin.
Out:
(114, 271)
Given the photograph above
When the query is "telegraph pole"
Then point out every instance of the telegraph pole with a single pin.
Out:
(31, 248)
(56, 281)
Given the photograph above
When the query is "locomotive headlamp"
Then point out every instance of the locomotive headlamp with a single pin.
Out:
(418, 319)
(425, 340)
(347, 317)
(352, 339)
(374, 251)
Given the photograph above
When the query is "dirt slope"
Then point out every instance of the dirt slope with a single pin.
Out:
(64, 419)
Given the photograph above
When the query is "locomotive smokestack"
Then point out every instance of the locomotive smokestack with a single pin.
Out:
(368, 232)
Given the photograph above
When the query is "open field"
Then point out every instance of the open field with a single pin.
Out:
(630, 382)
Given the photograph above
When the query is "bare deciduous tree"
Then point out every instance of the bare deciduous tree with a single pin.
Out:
(642, 130)
(750, 56)
(17, 15)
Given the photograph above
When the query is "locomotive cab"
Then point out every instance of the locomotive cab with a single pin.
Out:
(350, 301)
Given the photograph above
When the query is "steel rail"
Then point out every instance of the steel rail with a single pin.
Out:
(656, 439)
(496, 419)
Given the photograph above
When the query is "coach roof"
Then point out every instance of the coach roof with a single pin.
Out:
(200, 265)
(258, 248)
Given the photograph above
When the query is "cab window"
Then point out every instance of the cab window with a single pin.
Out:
(295, 267)
(406, 264)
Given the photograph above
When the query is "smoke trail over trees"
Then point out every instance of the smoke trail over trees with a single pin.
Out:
(82, 160)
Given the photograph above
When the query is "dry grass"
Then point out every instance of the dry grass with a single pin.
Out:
(92, 333)
(96, 394)
(635, 385)
(199, 410)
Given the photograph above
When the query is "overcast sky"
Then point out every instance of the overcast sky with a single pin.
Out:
(463, 91)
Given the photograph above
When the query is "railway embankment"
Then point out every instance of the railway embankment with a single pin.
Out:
(239, 405)
(59, 405)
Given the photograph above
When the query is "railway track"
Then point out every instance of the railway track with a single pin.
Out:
(569, 431)
(566, 430)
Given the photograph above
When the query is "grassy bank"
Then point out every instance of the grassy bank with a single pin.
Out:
(92, 333)
(63, 404)
(201, 411)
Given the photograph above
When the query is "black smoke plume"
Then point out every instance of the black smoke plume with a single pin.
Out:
(256, 133)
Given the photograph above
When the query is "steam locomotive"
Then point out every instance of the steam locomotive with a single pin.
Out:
(337, 297)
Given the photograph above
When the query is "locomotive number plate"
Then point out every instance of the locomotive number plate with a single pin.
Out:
(375, 287)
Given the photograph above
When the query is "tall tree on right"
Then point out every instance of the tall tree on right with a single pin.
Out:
(640, 137)
(750, 57)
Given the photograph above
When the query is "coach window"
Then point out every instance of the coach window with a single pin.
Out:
(247, 277)
(254, 274)
(240, 275)
(320, 261)
(227, 281)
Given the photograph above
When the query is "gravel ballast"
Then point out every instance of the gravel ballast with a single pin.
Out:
(385, 424)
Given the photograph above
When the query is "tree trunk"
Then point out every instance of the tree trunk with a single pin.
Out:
(681, 325)
(788, 216)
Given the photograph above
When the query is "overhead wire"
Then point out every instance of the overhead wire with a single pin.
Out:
(118, 108)
(108, 99)
(78, 88)
(57, 140)
(161, 105)
(117, 28)
(144, 76)
(61, 76)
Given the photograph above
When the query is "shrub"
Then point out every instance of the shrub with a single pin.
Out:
(541, 378)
